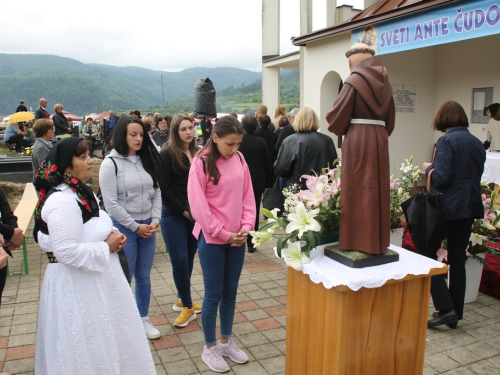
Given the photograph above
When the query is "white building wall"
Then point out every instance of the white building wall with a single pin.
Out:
(464, 66)
(413, 134)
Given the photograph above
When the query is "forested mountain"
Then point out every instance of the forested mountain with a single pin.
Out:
(85, 88)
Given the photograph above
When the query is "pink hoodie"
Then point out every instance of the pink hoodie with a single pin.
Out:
(225, 208)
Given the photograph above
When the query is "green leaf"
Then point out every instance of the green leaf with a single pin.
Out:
(310, 237)
(266, 226)
(282, 222)
(279, 246)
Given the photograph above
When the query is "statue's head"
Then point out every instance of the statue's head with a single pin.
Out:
(357, 53)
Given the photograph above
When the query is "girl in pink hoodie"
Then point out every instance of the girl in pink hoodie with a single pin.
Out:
(221, 199)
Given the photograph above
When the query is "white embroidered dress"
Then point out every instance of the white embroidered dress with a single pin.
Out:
(88, 322)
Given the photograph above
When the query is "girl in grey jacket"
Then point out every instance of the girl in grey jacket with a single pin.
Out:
(129, 184)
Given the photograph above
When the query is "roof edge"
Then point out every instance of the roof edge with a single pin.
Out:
(343, 27)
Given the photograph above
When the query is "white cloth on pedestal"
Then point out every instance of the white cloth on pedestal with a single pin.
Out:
(331, 273)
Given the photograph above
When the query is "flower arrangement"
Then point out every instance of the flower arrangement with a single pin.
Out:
(27, 151)
(314, 210)
(401, 189)
(482, 228)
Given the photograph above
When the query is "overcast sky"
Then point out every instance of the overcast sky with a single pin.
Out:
(167, 35)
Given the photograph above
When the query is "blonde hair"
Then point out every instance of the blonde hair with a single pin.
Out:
(262, 110)
(306, 121)
(280, 110)
(58, 106)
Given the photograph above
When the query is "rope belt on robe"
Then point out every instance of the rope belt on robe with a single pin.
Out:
(367, 122)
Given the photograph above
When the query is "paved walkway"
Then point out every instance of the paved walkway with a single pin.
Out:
(260, 322)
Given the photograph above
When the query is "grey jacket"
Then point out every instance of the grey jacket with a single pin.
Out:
(129, 195)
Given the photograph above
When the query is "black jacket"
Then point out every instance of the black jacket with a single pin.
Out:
(61, 123)
(458, 167)
(8, 221)
(174, 181)
(269, 137)
(283, 133)
(21, 108)
(40, 113)
(304, 153)
(256, 154)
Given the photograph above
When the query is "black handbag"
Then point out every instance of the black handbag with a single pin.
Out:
(274, 198)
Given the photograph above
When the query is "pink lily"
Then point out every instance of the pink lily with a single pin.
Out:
(442, 253)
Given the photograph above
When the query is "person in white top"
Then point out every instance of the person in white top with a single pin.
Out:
(493, 129)
(88, 322)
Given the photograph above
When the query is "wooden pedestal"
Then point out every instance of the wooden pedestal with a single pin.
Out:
(371, 331)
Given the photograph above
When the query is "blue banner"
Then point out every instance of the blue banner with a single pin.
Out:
(461, 20)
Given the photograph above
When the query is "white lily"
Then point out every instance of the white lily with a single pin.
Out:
(487, 224)
(294, 257)
(258, 238)
(302, 220)
(476, 239)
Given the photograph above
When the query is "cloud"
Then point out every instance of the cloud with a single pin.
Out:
(170, 35)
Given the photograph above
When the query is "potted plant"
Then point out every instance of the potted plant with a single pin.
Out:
(481, 230)
(401, 189)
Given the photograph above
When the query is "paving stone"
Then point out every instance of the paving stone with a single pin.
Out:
(23, 329)
(4, 342)
(266, 324)
(462, 356)
(243, 328)
(173, 354)
(192, 337)
(267, 302)
(255, 314)
(281, 346)
(253, 339)
(246, 306)
(485, 367)
(27, 339)
(24, 319)
(19, 366)
(482, 350)
(165, 342)
(191, 327)
(20, 352)
(441, 362)
(257, 295)
(459, 371)
(276, 311)
(274, 335)
(183, 367)
(250, 368)
(264, 351)
(249, 288)
(274, 365)
(281, 299)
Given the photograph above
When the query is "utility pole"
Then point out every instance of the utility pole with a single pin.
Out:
(162, 95)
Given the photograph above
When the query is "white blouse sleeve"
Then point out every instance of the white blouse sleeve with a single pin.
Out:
(64, 220)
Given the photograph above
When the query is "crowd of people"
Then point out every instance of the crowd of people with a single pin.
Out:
(152, 170)
(206, 200)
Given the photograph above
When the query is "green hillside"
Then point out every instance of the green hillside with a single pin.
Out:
(86, 88)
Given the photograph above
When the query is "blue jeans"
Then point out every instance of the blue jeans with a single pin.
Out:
(221, 265)
(140, 254)
(182, 245)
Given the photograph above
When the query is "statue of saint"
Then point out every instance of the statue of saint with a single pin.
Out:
(364, 113)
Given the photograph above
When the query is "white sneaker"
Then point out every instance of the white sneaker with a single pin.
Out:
(214, 360)
(232, 351)
(151, 332)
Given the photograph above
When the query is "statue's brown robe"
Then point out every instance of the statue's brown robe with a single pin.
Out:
(365, 194)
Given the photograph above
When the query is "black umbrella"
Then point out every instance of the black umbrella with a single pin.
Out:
(426, 218)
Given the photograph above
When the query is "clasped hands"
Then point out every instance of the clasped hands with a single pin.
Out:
(116, 241)
(238, 239)
(147, 230)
